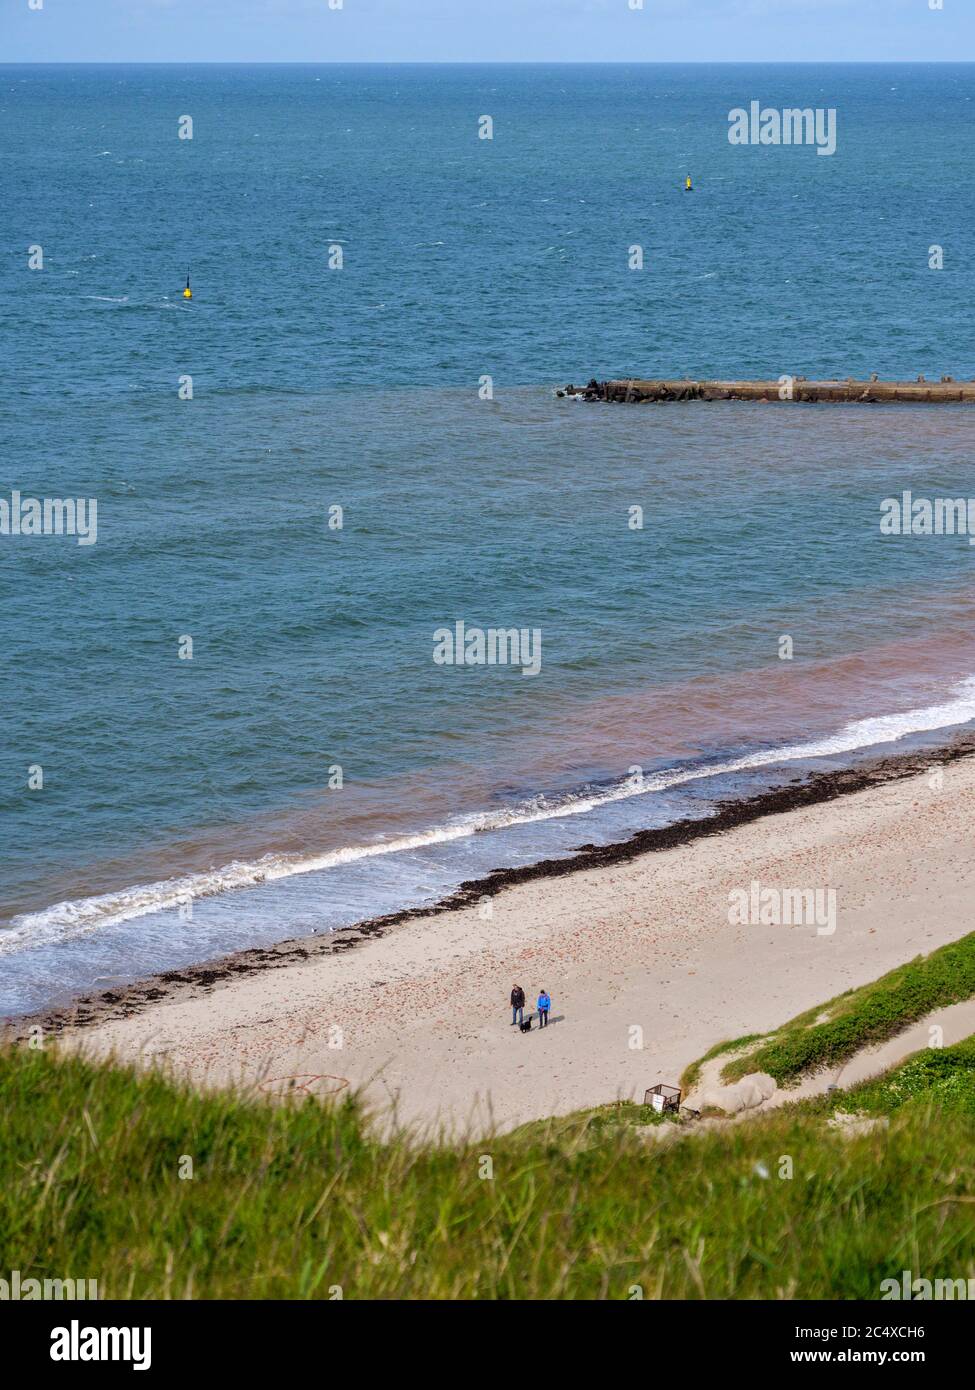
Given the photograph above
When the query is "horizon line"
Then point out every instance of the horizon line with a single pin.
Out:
(482, 62)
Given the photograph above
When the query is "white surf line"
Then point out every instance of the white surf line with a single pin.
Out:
(75, 918)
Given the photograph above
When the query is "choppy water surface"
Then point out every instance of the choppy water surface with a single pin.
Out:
(168, 780)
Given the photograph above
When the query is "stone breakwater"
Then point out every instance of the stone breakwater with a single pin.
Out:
(947, 391)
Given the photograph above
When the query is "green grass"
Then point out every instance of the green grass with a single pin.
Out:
(293, 1200)
(691, 1075)
(942, 1075)
(862, 1017)
(584, 1124)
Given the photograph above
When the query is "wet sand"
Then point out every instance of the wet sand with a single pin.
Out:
(633, 942)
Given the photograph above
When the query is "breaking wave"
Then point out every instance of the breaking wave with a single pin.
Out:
(73, 918)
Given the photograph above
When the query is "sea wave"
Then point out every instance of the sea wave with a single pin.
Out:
(76, 917)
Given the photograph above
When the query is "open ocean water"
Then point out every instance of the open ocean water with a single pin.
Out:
(186, 807)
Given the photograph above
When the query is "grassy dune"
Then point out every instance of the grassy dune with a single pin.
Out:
(832, 1033)
(299, 1201)
(944, 1076)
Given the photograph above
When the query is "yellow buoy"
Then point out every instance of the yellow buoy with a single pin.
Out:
(187, 293)
(688, 185)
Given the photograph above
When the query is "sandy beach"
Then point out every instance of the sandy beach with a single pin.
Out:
(645, 970)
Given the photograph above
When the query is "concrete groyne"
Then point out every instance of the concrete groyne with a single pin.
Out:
(786, 388)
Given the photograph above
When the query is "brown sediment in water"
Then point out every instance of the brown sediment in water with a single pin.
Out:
(947, 391)
(124, 1001)
(598, 739)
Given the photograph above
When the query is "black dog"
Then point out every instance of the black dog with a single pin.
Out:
(526, 1024)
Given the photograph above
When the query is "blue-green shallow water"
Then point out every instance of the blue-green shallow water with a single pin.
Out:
(465, 256)
(164, 778)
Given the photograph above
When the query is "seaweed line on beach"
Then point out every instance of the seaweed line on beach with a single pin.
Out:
(124, 1002)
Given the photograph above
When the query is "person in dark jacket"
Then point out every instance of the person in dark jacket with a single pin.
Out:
(517, 1004)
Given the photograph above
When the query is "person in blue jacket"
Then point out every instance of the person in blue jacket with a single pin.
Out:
(543, 1006)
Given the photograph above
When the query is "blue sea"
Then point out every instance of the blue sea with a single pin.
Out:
(310, 764)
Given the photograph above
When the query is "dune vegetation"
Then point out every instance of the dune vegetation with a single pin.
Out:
(832, 1033)
(156, 1190)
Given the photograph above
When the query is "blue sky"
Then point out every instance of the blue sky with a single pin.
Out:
(485, 30)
